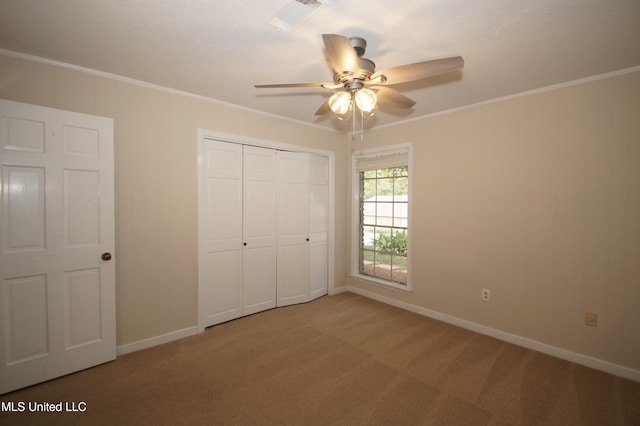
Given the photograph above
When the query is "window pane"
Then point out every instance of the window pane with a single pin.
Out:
(369, 189)
(401, 187)
(368, 213)
(399, 269)
(401, 171)
(384, 214)
(368, 237)
(366, 263)
(369, 174)
(384, 187)
(399, 238)
(400, 214)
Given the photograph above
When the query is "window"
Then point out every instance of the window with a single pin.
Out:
(381, 216)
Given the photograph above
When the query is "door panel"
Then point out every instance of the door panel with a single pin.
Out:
(293, 228)
(259, 212)
(318, 226)
(317, 269)
(82, 208)
(220, 262)
(22, 133)
(259, 287)
(82, 289)
(26, 314)
(221, 291)
(57, 298)
(23, 208)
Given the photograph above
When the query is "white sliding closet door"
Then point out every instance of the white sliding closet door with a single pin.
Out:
(293, 228)
(318, 225)
(220, 224)
(259, 210)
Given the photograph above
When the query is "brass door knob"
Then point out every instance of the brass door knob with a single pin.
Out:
(106, 256)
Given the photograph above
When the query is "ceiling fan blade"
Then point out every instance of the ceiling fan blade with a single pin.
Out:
(275, 86)
(324, 108)
(418, 71)
(342, 55)
(390, 96)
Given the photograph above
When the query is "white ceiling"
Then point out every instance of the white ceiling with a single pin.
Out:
(221, 48)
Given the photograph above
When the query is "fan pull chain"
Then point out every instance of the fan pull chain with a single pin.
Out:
(353, 127)
(361, 126)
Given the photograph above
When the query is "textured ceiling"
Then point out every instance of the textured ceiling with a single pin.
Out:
(221, 48)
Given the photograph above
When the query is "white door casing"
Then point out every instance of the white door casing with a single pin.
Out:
(57, 300)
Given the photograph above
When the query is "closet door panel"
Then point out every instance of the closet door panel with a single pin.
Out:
(318, 269)
(221, 254)
(259, 225)
(293, 274)
(224, 290)
(258, 276)
(318, 225)
(293, 228)
(224, 219)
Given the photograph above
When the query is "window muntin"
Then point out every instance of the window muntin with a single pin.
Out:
(384, 208)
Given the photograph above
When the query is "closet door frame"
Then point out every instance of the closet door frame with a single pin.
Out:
(204, 134)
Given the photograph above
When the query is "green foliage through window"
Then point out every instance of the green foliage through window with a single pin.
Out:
(394, 244)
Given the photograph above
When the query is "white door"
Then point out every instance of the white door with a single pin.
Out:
(220, 240)
(259, 242)
(57, 240)
(318, 225)
(293, 228)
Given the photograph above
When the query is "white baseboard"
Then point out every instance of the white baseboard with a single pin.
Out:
(156, 340)
(338, 290)
(608, 367)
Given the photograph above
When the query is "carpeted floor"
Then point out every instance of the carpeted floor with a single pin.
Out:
(343, 360)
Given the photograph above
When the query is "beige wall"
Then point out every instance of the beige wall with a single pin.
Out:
(538, 199)
(155, 173)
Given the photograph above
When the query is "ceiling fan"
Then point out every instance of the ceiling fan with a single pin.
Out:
(354, 74)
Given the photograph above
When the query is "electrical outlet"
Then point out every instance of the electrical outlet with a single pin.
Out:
(486, 294)
(591, 319)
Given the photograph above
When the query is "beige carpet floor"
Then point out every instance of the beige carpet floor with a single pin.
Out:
(339, 360)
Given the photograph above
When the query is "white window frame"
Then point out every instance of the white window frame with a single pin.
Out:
(355, 214)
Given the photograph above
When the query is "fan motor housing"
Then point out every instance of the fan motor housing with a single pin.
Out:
(367, 67)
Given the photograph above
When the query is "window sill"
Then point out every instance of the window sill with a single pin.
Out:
(381, 283)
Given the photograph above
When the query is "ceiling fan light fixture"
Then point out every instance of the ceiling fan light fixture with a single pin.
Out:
(340, 103)
(367, 101)
(367, 114)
